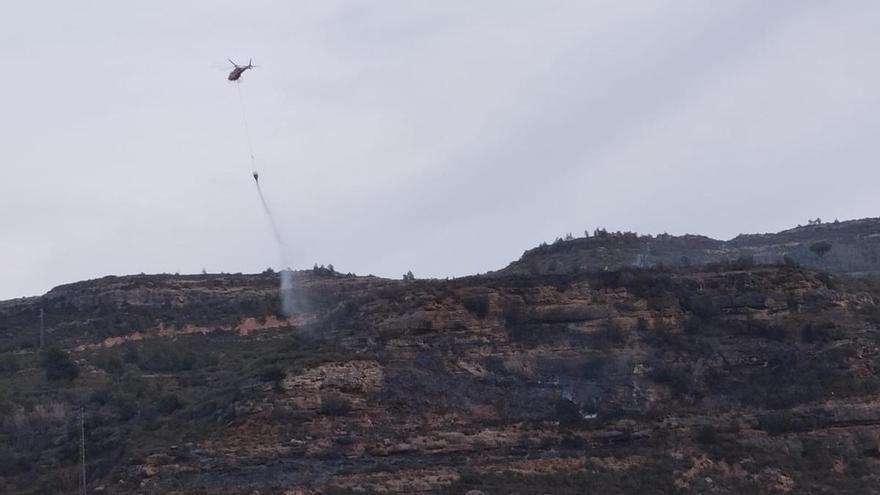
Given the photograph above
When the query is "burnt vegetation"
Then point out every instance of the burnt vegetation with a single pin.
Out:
(734, 361)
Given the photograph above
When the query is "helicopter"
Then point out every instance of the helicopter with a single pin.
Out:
(239, 69)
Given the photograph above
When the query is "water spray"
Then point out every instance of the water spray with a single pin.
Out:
(271, 218)
(287, 293)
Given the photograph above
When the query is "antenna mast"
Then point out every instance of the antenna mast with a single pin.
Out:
(42, 329)
(82, 446)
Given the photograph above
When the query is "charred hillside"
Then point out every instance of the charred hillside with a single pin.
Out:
(728, 379)
(851, 247)
(112, 306)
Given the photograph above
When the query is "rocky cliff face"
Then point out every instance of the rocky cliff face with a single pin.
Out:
(854, 248)
(722, 380)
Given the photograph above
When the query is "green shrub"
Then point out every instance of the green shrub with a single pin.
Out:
(676, 378)
(8, 364)
(165, 357)
(125, 408)
(130, 353)
(272, 374)
(57, 365)
(707, 435)
(568, 413)
(478, 305)
(109, 362)
(654, 478)
(12, 463)
(705, 307)
(100, 396)
(693, 325)
(610, 335)
(593, 367)
(820, 332)
(335, 405)
(168, 403)
(779, 422)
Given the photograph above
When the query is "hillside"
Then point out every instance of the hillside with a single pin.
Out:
(854, 249)
(719, 380)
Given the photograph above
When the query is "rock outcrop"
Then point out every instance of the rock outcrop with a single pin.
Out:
(720, 380)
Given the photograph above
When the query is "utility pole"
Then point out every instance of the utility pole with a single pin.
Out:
(42, 329)
(82, 446)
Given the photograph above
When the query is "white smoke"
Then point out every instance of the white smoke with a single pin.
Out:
(287, 294)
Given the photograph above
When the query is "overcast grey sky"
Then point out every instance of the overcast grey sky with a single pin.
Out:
(441, 137)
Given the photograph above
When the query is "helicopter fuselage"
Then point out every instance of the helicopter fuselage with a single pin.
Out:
(236, 73)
